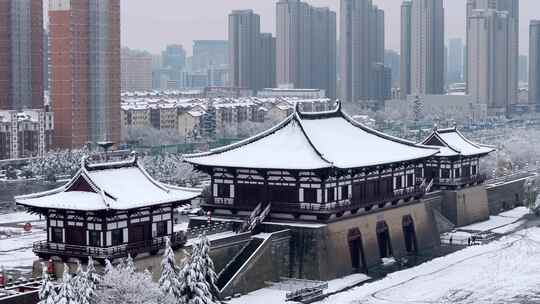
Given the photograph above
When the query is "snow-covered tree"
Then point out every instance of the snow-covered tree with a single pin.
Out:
(194, 288)
(129, 264)
(85, 283)
(168, 281)
(171, 168)
(66, 293)
(47, 293)
(123, 284)
(210, 274)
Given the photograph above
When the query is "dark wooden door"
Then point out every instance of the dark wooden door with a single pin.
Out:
(139, 232)
(76, 236)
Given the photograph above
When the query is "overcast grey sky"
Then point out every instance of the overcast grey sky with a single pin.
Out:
(152, 24)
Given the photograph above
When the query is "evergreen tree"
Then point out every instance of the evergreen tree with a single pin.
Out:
(85, 283)
(129, 264)
(47, 293)
(168, 281)
(66, 294)
(124, 285)
(91, 272)
(210, 274)
(194, 289)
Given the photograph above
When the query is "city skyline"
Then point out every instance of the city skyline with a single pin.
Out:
(140, 22)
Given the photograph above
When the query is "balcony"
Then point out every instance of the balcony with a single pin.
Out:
(462, 181)
(329, 208)
(45, 249)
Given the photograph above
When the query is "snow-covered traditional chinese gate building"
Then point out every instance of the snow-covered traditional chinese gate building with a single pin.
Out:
(458, 163)
(315, 167)
(108, 210)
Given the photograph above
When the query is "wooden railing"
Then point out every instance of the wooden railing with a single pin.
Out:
(464, 180)
(47, 249)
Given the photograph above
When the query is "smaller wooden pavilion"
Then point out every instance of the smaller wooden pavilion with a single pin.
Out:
(458, 163)
(108, 210)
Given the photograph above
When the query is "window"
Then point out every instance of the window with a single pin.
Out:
(57, 235)
(282, 194)
(94, 238)
(161, 228)
(344, 192)
(445, 173)
(399, 183)
(224, 190)
(330, 193)
(410, 180)
(474, 169)
(466, 170)
(310, 195)
(117, 237)
(457, 173)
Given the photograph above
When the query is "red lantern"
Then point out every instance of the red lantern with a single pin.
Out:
(50, 266)
(209, 214)
(2, 279)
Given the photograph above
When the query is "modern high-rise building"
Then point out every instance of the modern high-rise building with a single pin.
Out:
(209, 53)
(305, 46)
(512, 9)
(488, 76)
(427, 47)
(523, 69)
(534, 64)
(85, 71)
(245, 51)
(454, 63)
(266, 53)
(174, 57)
(173, 64)
(324, 48)
(21, 54)
(136, 70)
(361, 47)
(405, 55)
(392, 60)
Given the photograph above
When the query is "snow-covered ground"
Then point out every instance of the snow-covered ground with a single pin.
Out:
(504, 271)
(16, 255)
(16, 251)
(496, 221)
(18, 217)
(275, 294)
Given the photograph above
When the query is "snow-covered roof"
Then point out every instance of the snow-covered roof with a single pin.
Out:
(109, 186)
(454, 143)
(309, 141)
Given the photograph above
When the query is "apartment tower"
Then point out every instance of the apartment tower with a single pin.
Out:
(534, 64)
(427, 47)
(305, 46)
(247, 47)
(361, 49)
(85, 71)
(488, 79)
(21, 54)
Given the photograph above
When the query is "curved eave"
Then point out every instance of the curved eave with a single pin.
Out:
(44, 210)
(198, 159)
(240, 143)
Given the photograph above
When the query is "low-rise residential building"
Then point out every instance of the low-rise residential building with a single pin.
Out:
(26, 133)
(228, 117)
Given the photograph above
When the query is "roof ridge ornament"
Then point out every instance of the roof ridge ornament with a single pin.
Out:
(135, 156)
(435, 127)
(297, 108)
(339, 106)
(84, 162)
